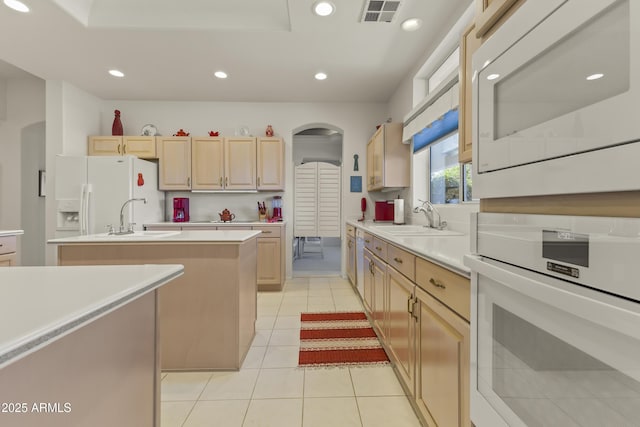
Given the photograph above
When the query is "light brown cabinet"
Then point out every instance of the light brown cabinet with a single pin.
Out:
(469, 43)
(270, 164)
(351, 259)
(7, 251)
(207, 163)
(174, 154)
(401, 336)
(270, 269)
(240, 163)
(367, 292)
(388, 159)
(140, 146)
(490, 14)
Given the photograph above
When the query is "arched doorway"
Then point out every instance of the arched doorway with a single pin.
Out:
(317, 160)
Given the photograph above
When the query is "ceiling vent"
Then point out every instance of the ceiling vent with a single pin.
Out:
(380, 10)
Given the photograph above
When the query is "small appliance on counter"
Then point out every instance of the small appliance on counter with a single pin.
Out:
(398, 211)
(384, 210)
(180, 209)
(226, 216)
(276, 204)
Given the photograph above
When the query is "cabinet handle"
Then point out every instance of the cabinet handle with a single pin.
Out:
(437, 283)
(220, 181)
(371, 267)
(398, 260)
(258, 180)
(367, 241)
(118, 148)
(413, 309)
(226, 181)
(378, 248)
(269, 232)
(189, 182)
(348, 244)
(124, 149)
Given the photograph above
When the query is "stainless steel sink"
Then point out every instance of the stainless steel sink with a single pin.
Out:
(414, 230)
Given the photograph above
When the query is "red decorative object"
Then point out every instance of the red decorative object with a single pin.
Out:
(269, 131)
(140, 180)
(181, 133)
(212, 133)
(116, 129)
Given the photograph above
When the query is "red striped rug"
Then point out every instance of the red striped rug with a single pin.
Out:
(335, 339)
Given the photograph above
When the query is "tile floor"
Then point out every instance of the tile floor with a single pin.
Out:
(270, 390)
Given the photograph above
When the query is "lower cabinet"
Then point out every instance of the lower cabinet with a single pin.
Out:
(367, 298)
(351, 259)
(7, 251)
(380, 309)
(269, 271)
(401, 339)
(442, 381)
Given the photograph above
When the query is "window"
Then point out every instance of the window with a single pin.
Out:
(444, 70)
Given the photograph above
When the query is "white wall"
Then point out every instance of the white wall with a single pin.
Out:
(357, 120)
(23, 99)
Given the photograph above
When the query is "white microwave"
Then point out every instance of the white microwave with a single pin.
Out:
(556, 100)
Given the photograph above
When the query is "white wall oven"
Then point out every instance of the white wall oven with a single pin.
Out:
(555, 320)
(556, 92)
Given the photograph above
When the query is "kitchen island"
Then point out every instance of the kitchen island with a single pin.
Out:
(73, 354)
(207, 316)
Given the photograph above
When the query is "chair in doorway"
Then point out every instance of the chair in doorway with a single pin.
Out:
(310, 246)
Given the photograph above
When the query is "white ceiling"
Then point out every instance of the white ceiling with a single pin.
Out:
(271, 49)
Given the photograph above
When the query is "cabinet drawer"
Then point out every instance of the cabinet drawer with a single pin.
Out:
(268, 231)
(7, 244)
(402, 261)
(234, 227)
(380, 248)
(351, 230)
(368, 241)
(450, 288)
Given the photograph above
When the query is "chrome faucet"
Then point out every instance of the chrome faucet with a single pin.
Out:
(428, 209)
(130, 228)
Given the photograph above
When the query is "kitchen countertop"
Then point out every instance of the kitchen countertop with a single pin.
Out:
(38, 305)
(199, 236)
(10, 232)
(212, 223)
(447, 251)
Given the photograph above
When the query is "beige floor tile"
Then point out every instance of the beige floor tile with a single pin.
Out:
(331, 411)
(326, 300)
(227, 413)
(173, 414)
(320, 308)
(261, 338)
(265, 322)
(231, 385)
(285, 337)
(317, 291)
(292, 310)
(320, 281)
(387, 411)
(376, 381)
(296, 281)
(274, 413)
(184, 385)
(267, 310)
(333, 382)
(287, 322)
(281, 357)
(279, 383)
(254, 357)
(343, 291)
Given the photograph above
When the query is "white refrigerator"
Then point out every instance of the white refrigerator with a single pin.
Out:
(91, 190)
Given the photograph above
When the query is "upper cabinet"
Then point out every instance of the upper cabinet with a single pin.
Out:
(221, 163)
(174, 154)
(490, 14)
(388, 159)
(270, 164)
(140, 146)
(469, 43)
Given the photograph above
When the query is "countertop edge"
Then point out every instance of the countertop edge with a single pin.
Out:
(4, 233)
(173, 239)
(57, 331)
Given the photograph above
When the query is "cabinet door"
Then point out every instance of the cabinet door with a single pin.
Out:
(401, 332)
(240, 164)
(207, 163)
(269, 272)
(367, 298)
(469, 43)
(370, 166)
(490, 14)
(442, 389)
(380, 298)
(105, 146)
(8, 260)
(174, 155)
(270, 158)
(378, 159)
(351, 259)
(143, 147)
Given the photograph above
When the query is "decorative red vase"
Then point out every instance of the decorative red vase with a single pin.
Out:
(269, 131)
(116, 129)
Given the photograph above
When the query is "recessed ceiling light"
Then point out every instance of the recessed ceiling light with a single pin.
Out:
(595, 76)
(220, 74)
(411, 24)
(17, 5)
(323, 8)
(493, 76)
(116, 73)
(320, 76)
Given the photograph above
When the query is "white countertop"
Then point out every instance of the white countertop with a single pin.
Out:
(213, 223)
(10, 232)
(199, 236)
(38, 305)
(447, 251)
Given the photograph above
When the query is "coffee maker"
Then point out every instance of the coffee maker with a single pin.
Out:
(180, 209)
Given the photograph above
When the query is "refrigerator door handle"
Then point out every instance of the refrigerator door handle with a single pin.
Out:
(84, 209)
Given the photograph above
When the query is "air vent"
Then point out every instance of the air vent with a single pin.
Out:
(380, 10)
